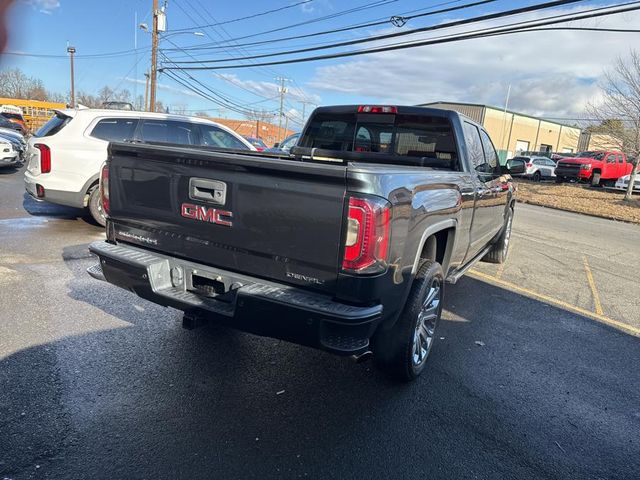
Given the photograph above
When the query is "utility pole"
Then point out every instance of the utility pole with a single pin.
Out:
(282, 91)
(71, 51)
(154, 57)
(286, 125)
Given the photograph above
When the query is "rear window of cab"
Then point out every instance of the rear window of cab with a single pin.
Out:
(417, 140)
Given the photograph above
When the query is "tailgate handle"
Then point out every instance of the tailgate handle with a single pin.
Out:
(211, 191)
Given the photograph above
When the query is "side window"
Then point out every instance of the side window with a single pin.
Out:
(474, 146)
(490, 154)
(115, 129)
(611, 158)
(168, 131)
(213, 136)
(620, 158)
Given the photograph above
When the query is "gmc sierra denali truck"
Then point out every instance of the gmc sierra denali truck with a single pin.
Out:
(344, 244)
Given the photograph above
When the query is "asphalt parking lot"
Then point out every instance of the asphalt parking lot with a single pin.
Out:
(534, 375)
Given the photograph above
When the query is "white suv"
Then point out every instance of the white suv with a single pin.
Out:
(65, 155)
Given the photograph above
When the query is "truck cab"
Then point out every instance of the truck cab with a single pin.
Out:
(595, 167)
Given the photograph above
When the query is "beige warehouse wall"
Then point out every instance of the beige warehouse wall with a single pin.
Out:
(507, 129)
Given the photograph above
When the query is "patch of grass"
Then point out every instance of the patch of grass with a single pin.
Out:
(580, 199)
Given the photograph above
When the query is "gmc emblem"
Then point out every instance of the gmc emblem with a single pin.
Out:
(204, 214)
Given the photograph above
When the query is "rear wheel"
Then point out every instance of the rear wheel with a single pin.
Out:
(595, 180)
(403, 351)
(95, 206)
(500, 249)
(537, 176)
(559, 179)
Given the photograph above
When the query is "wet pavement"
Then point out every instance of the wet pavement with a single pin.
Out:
(97, 383)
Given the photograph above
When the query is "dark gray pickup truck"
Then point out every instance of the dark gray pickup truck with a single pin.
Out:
(344, 244)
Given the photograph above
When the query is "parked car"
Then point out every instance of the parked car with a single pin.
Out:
(597, 168)
(9, 125)
(623, 183)
(9, 155)
(16, 138)
(18, 145)
(336, 248)
(538, 168)
(286, 145)
(257, 142)
(65, 155)
(14, 115)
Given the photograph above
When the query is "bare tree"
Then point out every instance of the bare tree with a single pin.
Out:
(618, 111)
(88, 100)
(139, 105)
(15, 84)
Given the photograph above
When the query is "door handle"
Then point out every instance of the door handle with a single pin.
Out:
(211, 191)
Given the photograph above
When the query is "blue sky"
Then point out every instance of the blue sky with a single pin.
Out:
(551, 73)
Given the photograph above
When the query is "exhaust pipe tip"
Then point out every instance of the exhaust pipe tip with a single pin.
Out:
(363, 357)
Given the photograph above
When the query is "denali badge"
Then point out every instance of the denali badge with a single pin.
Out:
(204, 214)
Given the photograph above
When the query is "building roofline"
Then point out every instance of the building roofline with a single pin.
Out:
(499, 109)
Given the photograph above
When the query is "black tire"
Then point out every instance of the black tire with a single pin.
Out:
(537, 176)
(595, 179)
(500, 249)
(95, 206)
(559, 179)
(396, 351)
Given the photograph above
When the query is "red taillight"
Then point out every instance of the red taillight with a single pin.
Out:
(104, 188)
(529, 165)
(45, 157)
(367, 239)
(377, 109)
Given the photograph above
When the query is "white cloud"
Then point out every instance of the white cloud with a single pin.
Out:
(551, 73)
(44, 6)
(270, 89)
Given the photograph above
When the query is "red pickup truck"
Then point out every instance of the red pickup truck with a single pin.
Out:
(598, 167)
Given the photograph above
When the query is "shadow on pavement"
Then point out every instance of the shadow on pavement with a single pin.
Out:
(10, 170)
(35, 208)
(549, 395)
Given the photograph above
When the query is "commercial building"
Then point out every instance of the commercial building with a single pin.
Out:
(266, 131)
(513, 133)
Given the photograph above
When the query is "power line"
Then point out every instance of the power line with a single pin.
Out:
(221, 100)
(260, 14)
(445, 39)
(491, 16)
(219, 76)
(352, 27)
(122, 53)
(366, 6)
(199, 92)
(226, 49)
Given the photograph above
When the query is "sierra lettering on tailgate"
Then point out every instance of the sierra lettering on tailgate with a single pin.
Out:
(204, 214)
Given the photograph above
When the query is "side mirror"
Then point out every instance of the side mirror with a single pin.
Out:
(276, 145)
(514, 167)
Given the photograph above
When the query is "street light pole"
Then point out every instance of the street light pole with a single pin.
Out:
(154, 58)
(71, 51)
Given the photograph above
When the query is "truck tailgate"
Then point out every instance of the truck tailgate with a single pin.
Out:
(267, 217)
